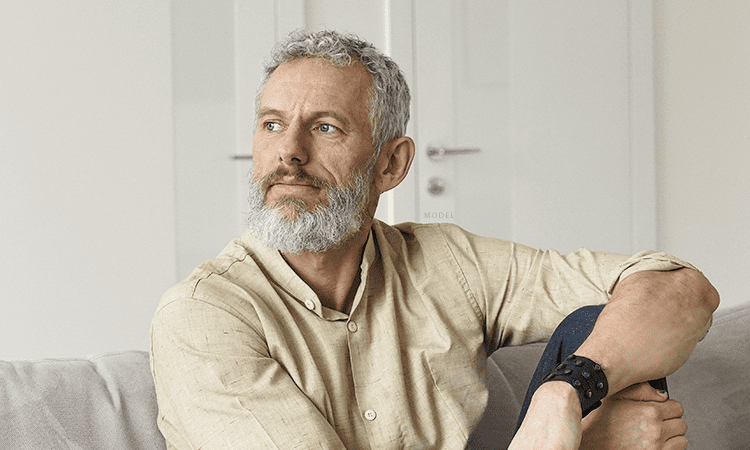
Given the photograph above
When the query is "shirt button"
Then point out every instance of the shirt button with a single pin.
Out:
(310, 304)
(352, 326)
(370, 414)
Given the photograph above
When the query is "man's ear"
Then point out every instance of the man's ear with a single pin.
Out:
(394, 163)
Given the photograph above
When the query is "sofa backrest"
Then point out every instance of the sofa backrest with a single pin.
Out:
(108, 402)
(714, 385)
(105, 402)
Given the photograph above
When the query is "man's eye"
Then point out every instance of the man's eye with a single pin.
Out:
(272, 126)
(327, 128)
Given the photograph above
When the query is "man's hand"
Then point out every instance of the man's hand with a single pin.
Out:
(639, 417)
(553, 421)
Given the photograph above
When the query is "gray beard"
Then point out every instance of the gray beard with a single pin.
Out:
(318, 230)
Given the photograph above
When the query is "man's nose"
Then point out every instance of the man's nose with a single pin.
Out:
(292, 148)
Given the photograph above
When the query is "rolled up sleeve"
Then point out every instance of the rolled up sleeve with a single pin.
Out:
(643, 261)
(524, 292)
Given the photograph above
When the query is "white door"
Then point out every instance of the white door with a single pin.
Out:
(555, 96)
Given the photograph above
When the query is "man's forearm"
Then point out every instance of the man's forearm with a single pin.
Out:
(650, 325)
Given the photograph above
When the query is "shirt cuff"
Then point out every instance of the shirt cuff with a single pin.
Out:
(643, 261)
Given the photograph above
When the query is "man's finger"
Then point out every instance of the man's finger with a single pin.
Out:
(676, 443)
(673, 410)
(673, 427)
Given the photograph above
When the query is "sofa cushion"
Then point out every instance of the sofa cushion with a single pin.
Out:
(508, 373)
(105, 402)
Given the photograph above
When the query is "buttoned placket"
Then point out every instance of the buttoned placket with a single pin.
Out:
(358, 331)
(354, 335)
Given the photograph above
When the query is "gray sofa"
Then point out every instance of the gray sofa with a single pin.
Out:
(108, 402)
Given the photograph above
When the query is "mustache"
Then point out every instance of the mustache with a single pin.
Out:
(298, 173)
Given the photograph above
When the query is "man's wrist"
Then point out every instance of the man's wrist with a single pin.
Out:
(560, 395)
(586, 377)
(553, 419)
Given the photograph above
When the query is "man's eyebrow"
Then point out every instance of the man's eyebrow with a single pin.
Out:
(333, 114)
(266, 111)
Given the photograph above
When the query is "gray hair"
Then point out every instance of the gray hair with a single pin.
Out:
(389, 97)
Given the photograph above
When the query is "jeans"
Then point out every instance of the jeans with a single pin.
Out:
(566, 339)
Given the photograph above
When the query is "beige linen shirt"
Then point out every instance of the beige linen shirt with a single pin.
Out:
(245, 356)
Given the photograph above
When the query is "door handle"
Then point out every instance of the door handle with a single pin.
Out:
(438, 153)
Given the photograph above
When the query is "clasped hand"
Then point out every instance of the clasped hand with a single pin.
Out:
(638, 417)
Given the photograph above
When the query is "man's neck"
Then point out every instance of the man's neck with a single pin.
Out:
(333, 274)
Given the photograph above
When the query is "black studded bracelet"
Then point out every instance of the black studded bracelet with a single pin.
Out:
(586, 376)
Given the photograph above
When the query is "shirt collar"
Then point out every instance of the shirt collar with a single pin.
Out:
(279, 270)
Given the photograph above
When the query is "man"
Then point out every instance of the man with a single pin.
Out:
(321, 327)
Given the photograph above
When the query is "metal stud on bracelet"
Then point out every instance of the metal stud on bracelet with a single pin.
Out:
(586, 376)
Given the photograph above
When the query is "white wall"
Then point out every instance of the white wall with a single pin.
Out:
(703, 138)
(86, 174)
(204, 129)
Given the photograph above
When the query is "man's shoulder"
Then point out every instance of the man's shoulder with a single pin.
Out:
(441, 234)
(234, 273)
(439, 243)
